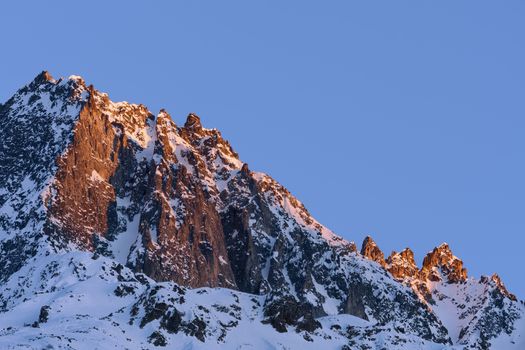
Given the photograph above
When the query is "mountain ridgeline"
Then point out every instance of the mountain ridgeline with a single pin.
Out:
(137, 232)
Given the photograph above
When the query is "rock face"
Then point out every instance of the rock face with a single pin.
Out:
(402, 265)
(473, 311)
(438, 265)
(442, 264)
(370, 250)
(127, 205)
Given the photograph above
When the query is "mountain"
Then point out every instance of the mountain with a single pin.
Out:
(120, 229)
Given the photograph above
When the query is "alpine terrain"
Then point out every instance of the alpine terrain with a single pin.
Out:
(120, 229)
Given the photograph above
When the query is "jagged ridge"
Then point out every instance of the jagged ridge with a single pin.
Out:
(177, 204)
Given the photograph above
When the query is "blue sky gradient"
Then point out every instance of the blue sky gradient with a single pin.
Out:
(400, 119)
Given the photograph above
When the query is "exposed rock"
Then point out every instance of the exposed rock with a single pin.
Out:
(42, 78)
(156, 338)
(355, 303)
(44, 314)
(193, 122)
(245, 170)
(109, 193)
(402, 265)
(499, 284)
(442, 264)
(370, 250)
(288, 312)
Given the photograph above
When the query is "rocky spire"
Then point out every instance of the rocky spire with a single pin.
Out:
(169, 202)
(441, 264)
(245, 171)
(370, 250)
(402, 265)
(193, 122)
(164, 128)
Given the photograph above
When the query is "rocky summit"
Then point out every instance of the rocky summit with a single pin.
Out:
(120, 229)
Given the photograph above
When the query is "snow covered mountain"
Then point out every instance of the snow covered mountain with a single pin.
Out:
(120, 229)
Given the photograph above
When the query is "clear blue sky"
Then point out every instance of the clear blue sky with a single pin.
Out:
(400, 119)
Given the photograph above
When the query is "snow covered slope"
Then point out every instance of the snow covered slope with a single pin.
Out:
(120, 229)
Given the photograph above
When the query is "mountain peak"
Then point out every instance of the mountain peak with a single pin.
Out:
(43, 77)
(402, 265)
(443, 246)
(441, 263)
(44, 83)
(193, 122)
(496, 279)
(93, 188)
(163, 114)
(78, 79)
(370, 250)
